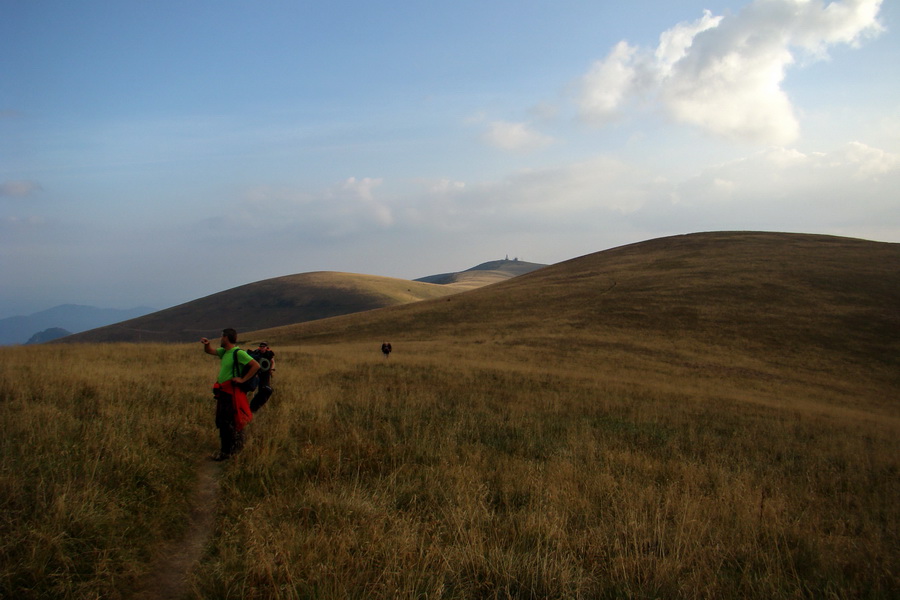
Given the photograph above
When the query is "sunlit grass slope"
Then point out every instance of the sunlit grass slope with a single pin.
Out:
(268, 303)
(773, 293)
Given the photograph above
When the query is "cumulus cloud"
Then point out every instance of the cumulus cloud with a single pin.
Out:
(360, 191)
(18, 189)
(602, 184)
(846, 191)
(362, 188)
(581, 196)
(849, 190)
(724, 74)
(444, 186)
(611, 82)
(778, 181)
(675, 43)
(342, 209)
(515, 136)
(869, 162)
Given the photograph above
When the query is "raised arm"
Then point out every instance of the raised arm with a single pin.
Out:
(207, 347)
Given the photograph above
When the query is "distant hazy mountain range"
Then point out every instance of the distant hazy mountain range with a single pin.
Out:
(295, 299)
(70, 318)
(48, 335)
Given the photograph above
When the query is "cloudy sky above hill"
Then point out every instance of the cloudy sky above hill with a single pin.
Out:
(154, 153)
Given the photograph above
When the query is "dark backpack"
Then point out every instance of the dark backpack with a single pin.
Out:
(239, 370)
(264, 363)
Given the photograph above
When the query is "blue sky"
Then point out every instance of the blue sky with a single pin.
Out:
(155, 152)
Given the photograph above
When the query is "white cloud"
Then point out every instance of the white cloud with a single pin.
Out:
(733, 91)
(847, 191)
(340, 210)
(515, 136)
(818, 26)
(362, 188)
(602, 184)
(577, 196)
(361, 200)
(777, 188)
(724, 74)
(675, 43)
(855, 182)
(444, 186)
(610, 83)
(870, 162)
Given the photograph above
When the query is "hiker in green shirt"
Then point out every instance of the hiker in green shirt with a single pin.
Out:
(232, 409)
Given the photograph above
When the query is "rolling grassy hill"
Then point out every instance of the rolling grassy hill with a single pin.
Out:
(701, 416)
(484, 274)
(294, 299)
(769, 288)
(811, 297)
(268, 303)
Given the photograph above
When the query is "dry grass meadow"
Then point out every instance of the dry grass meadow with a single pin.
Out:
(547, 461)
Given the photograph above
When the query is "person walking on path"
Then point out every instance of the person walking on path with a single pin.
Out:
(266, 359)
(232, 410)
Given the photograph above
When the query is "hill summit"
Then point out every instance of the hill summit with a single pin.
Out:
(484, 274)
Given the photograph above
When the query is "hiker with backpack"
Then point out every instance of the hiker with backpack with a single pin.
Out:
(266, 359)
(237, 372)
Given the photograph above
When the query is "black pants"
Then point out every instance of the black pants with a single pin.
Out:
(261, 397)
(263, 392)
(230, 438)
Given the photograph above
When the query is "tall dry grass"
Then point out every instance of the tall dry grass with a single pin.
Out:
(99, 449)
(474, 472)
(486, 469)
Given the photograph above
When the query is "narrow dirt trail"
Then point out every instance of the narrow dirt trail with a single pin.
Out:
(168, 577)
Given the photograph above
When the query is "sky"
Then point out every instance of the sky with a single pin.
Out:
(152, 153)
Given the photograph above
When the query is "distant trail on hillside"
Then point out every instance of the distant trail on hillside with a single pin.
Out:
(168, 577)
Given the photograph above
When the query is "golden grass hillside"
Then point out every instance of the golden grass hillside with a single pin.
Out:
(769, 293)
(708, 416)
(268, 303)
